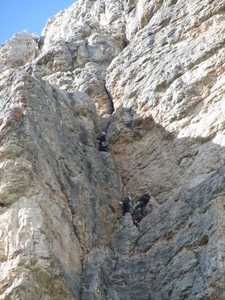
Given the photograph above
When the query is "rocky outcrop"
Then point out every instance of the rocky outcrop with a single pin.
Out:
(173, 104)
(150, 74)
(53, 186)
(22, 48)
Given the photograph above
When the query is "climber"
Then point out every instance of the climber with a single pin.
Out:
(102, 142)
(142, 202)
(126, 205)
(139, 209)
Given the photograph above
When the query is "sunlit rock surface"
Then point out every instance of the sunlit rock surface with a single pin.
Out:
(151, 75)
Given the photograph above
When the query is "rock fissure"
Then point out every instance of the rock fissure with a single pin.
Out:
(149, 74)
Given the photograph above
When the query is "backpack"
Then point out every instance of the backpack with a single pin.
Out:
(137, 216)
(137, 219)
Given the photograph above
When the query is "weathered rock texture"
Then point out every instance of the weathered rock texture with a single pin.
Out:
(150, 74)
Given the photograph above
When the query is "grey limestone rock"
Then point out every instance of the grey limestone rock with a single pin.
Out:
(151, 75)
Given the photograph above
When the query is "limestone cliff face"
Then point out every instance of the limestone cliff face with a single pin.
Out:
(150, 74)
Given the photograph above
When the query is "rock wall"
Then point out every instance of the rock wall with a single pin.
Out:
(54, 183)
(150, 74)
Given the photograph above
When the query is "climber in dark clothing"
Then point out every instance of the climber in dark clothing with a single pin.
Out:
(102, 142)
(139, 209)
(142, 202)
(126, 205)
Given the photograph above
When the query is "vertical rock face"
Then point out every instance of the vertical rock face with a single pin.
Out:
(54, 183)
(150, 74)
(174, 106)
